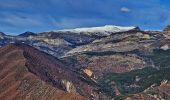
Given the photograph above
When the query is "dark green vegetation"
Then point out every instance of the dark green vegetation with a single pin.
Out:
(138, 80)
(161, 58)
(100, 53)
(127, 83)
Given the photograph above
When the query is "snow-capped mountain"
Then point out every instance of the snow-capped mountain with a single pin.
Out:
(105, 30)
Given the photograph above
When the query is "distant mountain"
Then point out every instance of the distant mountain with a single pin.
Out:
(2, 34)
(59, 42)
(103, 30)
(27, 34)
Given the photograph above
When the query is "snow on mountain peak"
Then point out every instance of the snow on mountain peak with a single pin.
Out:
(103, 29)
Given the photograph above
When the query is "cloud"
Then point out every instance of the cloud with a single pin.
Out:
(125, 9)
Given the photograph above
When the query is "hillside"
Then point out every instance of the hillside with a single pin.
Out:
(21, 79)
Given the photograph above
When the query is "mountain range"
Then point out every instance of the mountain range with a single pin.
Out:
(97, 63)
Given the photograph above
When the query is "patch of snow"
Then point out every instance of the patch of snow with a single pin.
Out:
(165, 47)
(103, 29)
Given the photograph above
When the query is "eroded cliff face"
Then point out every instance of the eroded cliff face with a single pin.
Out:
(56, 42)
(69, 86)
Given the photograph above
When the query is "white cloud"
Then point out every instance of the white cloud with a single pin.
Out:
(125, 9)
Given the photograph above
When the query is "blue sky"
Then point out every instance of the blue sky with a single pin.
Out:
(18, 16)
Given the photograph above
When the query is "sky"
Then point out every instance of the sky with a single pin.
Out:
(18, 16)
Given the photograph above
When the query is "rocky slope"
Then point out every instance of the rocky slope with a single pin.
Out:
(30, 68)
(120, 61)
(99, 63)
(57, 43)
(21, 80)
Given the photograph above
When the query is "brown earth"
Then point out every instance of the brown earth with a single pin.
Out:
(22, 75)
